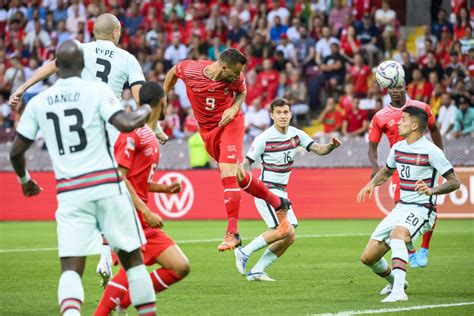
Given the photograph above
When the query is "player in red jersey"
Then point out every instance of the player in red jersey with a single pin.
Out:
(137, 154)
(216, 91)
(385, 122)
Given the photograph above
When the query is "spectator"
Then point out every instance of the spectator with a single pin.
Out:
(297, 93)
(435, 99)
(455, 69)
(293, 31)
(15, 76)
(464, 124)
(236, 32)
(286, 47)
(36, 88)
(277, 29)
(323, 46)
(32, 19)
(304, 48)
(171, 125)
(337, 14)
(268, 79)
(349, 43)
(253, 81)
(240, 10)
(462, 22)
(419, 89)
(333, 67)
(401, 48)
(39, 33)
(176, 7)
(356, 122)
(331, 118)
(176, 51)
(408, 67)
(385, 19)
(73, 18)
(60, 13)
(346, 100)
(367, 34)
(278, 11)
(282, 84)
(191, 125)
(5, 114)
(363, 7)
(447, 114)
(420, 41)
(133, 20)
(431, 65)
(257, 119)
(441, 24)
(215, 49)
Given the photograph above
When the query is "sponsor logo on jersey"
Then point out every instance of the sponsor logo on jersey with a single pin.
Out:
(175, 205)
(226, 90)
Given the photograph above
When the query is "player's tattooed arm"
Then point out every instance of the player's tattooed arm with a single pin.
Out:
(17, 157)
(382, 176)
(452, 184)
(324, 149)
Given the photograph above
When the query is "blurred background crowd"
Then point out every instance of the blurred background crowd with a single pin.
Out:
(320, 54)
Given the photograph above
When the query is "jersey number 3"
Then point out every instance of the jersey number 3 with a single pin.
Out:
(72, 128)
(103, 75)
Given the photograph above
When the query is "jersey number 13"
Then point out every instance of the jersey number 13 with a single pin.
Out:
(77, 128)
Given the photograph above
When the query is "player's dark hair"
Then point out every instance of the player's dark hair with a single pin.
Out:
(151, 93)
(278, 103)
(232, 56)
(420, 115)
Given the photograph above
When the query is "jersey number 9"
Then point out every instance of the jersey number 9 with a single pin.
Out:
(210, 104)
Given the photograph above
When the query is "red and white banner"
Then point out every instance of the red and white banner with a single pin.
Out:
(315, 194)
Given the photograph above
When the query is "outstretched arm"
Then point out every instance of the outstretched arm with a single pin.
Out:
(127, 122)
(17, 159)
(380, 178)
(324, 149)
(41, 74)
(170, 80)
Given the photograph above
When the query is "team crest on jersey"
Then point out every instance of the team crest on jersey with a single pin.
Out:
(130, 143)
(418, 159)
(226, 90)
(293, 142)
(231, 148)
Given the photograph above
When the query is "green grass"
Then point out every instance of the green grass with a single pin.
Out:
(316, 275)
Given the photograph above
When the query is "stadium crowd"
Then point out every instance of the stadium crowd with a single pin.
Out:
(320, 54)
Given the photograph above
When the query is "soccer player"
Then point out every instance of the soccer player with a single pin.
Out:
(216, 91)
(385, 122)
(419, 163)
(276, 149)
(137, 154)
(105, 62)
(92, 198)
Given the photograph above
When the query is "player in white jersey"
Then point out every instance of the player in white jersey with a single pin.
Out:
(275, 149)
(92, 197)
(419, 164)
(105, 62)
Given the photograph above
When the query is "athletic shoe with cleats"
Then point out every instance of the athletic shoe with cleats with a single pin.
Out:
(241, 260)
(388, 289)
(104, 269)
(259, 276)
(413, 260)
(395, 297)
(230, 242)
(422, 257)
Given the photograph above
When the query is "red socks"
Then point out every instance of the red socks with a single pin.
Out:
(425, 242)
(115, 290)
(257, 188)
(232, 202)
(161, 278)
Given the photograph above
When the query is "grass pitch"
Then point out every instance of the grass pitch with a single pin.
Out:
(320, 273)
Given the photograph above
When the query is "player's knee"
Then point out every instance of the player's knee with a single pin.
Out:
(181, 267)
(366, 260)
(400, 233)
(291, 235)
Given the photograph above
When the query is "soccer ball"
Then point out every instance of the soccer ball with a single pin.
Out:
(390, 74)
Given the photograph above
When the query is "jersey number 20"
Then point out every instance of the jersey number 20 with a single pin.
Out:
(72, 128)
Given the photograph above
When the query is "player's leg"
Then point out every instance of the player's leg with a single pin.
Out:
(271, 254)
(422, 254)
(104, 267)
(70, 290)
(119, 223)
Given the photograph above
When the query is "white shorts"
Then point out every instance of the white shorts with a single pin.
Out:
(417, 219)
(268, 213)
(79, 226)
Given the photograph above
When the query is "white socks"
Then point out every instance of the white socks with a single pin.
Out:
(140, 286)
(399, 263)
(382, 269)
(256, 244)
(70, 293)
(265, 261)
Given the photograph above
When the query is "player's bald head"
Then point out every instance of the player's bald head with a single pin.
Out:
(105, 25)
(70, 58)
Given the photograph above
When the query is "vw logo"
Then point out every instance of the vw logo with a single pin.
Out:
(175, 205)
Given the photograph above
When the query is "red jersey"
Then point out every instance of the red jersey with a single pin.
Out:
(138, 151)
(360, 75)
(355, 120)
(386, 120)
(209, 98)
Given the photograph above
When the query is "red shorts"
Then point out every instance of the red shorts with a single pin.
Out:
(225, 144)
(157, 241)
(396, 184)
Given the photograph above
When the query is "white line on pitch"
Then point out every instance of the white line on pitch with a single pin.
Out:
(194, 241)
(396, 309)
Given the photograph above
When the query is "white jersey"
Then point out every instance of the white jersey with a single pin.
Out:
(110, 64)
(72, 116)
(421, 160)
(276, 152)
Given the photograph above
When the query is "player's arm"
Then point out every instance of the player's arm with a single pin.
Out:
(373, 157)
(380, 178)
(436, 135)
(152, 219)
(39, 75)
(17, 158)
(173, 188)
(248, 164)
(127, 122)
(324, 149)
(135, 89)
(170, 80)
(452, 184)
(231, 112)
